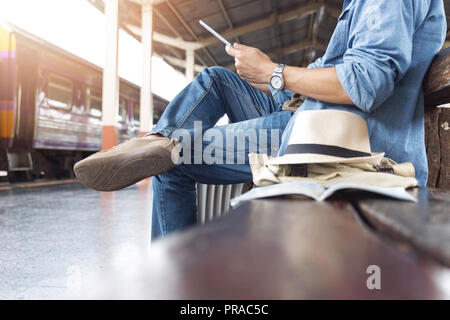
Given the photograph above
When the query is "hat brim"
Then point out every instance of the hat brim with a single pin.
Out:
(307, 158)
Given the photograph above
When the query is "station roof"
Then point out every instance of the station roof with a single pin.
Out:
(294, 32)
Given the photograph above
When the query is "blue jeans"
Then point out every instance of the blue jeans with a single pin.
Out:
(215, 92)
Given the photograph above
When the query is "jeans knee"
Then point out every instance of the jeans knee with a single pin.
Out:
(219, 72)
(177, 176)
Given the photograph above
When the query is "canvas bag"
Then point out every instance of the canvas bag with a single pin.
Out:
(387, 174)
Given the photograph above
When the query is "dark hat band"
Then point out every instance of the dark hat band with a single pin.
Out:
(325, 150)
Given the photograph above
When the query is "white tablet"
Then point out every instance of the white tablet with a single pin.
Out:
(218, 36)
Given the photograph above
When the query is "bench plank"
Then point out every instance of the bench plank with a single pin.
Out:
(272, 249)
(437, 81)
(444, 136)
(433, 145)
(437, 138)
(425, 225)
(437, 120)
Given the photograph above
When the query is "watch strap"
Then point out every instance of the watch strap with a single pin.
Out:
(279, 68)
(278, 72)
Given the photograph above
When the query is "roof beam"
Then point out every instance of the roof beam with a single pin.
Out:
(300, 46)
(141, 2)
(159, 37)
(227, 17)
(311, 24)
(188, 28)
(201, 43)
(167, 23)
(225, 14)
(175, 42)
(293, 48)
(175, 31)
(276, 27)
(261, 24)
(166, 40)
(334, 12)
(181, 63)
(316, 28)
(174, 52)
(317, 21)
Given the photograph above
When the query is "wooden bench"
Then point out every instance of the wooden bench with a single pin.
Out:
(437, 121)
(291, 249)
(425, 226)
(294, 249)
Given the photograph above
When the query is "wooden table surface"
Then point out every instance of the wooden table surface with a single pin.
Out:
(280, 249)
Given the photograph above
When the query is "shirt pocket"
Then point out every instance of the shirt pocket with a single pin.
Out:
(339, 39)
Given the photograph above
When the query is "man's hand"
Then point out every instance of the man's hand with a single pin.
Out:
(251, 64)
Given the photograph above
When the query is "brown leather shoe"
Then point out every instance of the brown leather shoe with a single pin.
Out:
(126, 163)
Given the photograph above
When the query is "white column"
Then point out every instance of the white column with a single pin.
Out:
(146, 112)
(190, 62)
(110, 75)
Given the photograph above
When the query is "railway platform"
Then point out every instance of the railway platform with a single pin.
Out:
(55, 234)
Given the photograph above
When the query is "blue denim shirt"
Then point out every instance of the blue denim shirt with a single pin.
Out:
(381, 50)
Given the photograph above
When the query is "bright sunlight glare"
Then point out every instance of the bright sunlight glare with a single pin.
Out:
(78, 27)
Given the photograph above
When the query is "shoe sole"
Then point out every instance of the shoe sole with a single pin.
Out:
(118, 172)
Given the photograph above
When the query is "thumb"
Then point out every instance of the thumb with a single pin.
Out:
(240, 46)
(231, 51)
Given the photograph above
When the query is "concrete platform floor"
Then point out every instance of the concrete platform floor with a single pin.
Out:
(53, 237)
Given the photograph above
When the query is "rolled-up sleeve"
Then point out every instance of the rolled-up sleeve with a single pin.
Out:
(316, 64)
(379, 53)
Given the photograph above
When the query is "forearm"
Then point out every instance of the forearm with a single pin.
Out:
(320, 84)
(255, 66)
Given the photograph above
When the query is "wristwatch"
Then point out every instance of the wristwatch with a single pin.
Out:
(277, 80)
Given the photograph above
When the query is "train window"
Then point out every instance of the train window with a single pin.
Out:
(94, 101)
(136, 112)
(59, 92)
(122, 110)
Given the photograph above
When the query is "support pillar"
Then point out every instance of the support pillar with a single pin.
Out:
(190, 63)
(146, 111)
(110, 75)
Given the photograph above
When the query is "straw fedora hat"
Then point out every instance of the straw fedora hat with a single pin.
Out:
(328, 136)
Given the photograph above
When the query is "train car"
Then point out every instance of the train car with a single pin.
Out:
(51, 107)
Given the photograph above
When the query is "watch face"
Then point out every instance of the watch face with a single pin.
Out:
(276, 82)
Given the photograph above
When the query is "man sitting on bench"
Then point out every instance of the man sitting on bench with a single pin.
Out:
(374, 67)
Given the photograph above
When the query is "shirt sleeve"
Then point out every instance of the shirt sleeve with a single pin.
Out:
(316, 64)
(380, 52)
